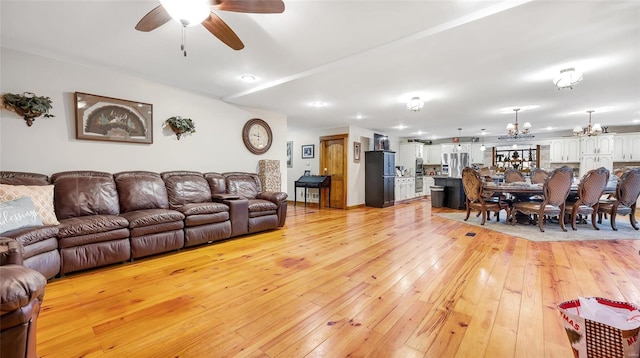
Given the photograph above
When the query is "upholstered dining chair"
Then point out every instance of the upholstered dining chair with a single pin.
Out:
(625, 200)
(538, 176)
(513, 176)
(476, 200)
(590, 190)
(554, 191)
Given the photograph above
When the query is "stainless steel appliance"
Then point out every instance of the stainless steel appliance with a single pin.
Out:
(453, 163)
(419, 175)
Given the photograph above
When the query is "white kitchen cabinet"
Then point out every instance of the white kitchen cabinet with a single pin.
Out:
(590, 161)
(428, 183)
(405, 188)
(408, 154)
(626, 148)
(477, 155)
(600, 144)
(432, 154)
(565, 150)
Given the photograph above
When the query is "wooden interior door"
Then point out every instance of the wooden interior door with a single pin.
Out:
(333, 161)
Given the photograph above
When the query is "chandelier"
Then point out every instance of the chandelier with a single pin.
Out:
(567, 78)
(415, 104)
(591, 130)
(514, 131)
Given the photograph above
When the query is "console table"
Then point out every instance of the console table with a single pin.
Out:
(314, 182)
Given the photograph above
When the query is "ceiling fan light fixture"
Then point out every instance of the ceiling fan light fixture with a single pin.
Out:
(415, 104)
(568, 78)
(187, 12)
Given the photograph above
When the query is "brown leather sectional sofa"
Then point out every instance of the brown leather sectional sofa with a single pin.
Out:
(109, 218)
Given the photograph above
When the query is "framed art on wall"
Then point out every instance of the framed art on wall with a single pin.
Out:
(289, 154)
(307, 151)
(356, 152)
(113, 119)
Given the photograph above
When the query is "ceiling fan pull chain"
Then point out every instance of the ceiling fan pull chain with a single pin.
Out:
(183, 47)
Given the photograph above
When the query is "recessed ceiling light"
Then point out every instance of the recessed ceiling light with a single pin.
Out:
(549, 128)
(359, 116)
(318, 104)
(400, 126)
(636, 121)
(248, 77)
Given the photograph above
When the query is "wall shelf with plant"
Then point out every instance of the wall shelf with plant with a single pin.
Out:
(28, 105)
(180, 125)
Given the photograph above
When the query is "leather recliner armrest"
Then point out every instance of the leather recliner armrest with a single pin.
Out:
(273, 196)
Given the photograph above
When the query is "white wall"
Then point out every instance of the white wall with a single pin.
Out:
(50, 145)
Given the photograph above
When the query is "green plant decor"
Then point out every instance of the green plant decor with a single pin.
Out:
(28, 105)
(180, 125)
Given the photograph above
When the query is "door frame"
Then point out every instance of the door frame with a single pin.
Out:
(345, 143)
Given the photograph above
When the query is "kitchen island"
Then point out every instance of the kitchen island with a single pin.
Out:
(454, 196)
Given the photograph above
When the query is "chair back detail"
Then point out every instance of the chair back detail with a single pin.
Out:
(471, 183)
(592, 185)
(628, 188)
(557, 186)
(538, 176)
(513, 176)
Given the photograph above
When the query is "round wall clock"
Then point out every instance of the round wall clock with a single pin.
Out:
(257, 136)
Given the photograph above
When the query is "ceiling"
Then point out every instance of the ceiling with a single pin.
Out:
(467, 59)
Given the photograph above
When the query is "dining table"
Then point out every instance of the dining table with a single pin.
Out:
(522, 191)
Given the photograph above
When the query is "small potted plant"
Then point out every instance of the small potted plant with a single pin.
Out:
(180, 125)
(28, 105)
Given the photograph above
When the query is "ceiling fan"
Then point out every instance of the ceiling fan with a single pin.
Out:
(194, 12)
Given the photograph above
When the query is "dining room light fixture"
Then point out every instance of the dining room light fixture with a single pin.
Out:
(482, 147)
(591, 130)
(567, 78)
(514, 132)
(415, 104)
(459, 144)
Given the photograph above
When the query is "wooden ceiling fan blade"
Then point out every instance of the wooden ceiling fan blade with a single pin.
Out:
(222, 31)
(153, 19)
(252, 6)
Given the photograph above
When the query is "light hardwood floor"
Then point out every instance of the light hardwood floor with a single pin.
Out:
(394, 282)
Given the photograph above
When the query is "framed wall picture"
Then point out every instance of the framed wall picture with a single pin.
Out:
(356, 152)
(308, 151)
(290, 154)
(113, 119)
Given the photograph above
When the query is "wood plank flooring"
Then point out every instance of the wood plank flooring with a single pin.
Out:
(393, 282)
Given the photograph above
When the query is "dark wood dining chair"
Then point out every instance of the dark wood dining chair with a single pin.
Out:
(538, 176)
(625, 200)
(554, 191)
(590, 190)
(477, 200)
(513, 176)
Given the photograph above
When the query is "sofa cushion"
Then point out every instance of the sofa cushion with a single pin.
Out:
(91, 224)
(139, 190)
(84, 192)
(31, 235)
(41, 195)
(140, 218)
(257, 205)
(18, 213)
(203, 208)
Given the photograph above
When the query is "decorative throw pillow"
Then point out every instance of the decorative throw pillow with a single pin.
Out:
(19, 213)
(41, 195)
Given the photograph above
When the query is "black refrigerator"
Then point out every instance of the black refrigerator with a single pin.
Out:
(380, 177)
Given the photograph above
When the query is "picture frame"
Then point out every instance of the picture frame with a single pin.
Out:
(356, 152)
(289, 154)
(308, 151)
(307, 173)
(113, 119)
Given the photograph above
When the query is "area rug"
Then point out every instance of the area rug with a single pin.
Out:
(552, 231)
